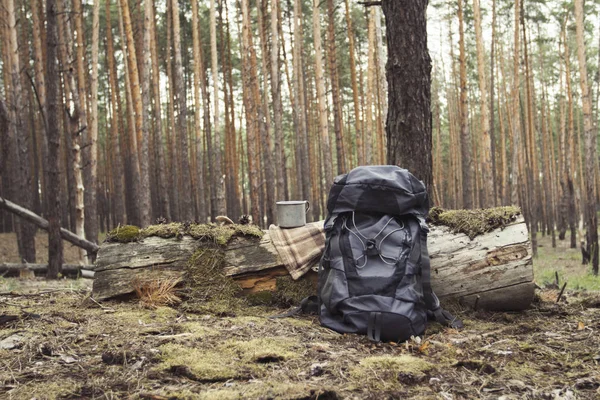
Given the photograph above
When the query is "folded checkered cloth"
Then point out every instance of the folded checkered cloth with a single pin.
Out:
(299, 248)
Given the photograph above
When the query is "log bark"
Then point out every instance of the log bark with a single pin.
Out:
(30, 216)
(493, 271)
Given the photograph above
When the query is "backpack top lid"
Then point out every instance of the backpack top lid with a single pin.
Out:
(385, 189)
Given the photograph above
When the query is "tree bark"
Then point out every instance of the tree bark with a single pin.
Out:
(115, 126)
(590, 142)
(277, 105)
(18, 137)
(184, 164)
(486, 145)
(465, 134)
(408, 126)
(219, 195)
(338, 126)
(55, 246)
(322, 96)
(360, 151)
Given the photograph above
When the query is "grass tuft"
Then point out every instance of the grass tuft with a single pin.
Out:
(157, 292)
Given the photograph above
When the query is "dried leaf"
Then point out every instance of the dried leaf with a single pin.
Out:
(580, 326)
(423, 348)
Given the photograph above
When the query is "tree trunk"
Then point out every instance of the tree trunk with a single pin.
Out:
(134, 195)
(322, 97)
(486, 142)
(277, 105)
(590, 142)
(249, 80)
(357, 122)
(516, 112)
(219, 195)
(55, 246)
(115, 126)
(18, 138)
(465, 134)
(93, 130)
(335, 88)
(140, 144)
(198, 83)
(408, 126)
(184, 164)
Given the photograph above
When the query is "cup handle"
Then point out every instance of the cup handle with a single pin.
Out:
(307, 206)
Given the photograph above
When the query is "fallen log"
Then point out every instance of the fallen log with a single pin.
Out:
(491, 270)
(42, 223)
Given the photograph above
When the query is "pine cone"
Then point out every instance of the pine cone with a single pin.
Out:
(245, 219)
(161, 220)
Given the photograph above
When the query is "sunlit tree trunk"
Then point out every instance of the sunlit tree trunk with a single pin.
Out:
(219, 195)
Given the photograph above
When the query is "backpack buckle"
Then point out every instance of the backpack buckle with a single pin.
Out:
(371, 247)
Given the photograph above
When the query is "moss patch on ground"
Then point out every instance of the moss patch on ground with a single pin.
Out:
(390, 372)
(474, 222)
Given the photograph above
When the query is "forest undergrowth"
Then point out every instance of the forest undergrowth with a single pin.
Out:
(56, 342)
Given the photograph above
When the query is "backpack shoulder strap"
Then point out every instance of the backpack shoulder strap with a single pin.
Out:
(431, 300)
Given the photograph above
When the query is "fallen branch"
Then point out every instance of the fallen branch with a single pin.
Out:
(32, 217)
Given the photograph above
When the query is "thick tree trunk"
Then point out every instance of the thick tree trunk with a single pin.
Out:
(408, 126)
(590, 142)
(55, 246)
(493, 270)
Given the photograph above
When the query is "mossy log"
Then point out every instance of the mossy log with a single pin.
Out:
(491, 271)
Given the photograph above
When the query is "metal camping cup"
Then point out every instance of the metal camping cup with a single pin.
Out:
(292, 214)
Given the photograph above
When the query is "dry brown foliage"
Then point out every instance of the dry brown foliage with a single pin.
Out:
(157, 292)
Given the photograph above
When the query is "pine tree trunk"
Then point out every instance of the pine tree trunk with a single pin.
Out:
(93, 131)
(357, 121)
(590, 142)
(516, 112)
(55, 246)
(219, 195)
(486, 142)
(277, 105)
(322, 97)
(465, 134)
(184, 164)
(570, 165)
(408, 126)
(249, 81)
(163, 197)
(335, 87)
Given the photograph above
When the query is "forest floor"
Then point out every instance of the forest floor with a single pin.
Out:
(56, 342)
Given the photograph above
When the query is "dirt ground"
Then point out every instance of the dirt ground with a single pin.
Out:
(59, 343)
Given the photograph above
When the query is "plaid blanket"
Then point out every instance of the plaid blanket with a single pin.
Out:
(299, 248)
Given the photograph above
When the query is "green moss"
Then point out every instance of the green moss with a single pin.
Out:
(389, 372)
(124, 234)
(213, 233)
(207, 288)
(474, 222)
(290, 292)
(233, 359)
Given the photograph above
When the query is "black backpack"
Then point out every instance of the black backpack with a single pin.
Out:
(374, 275)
